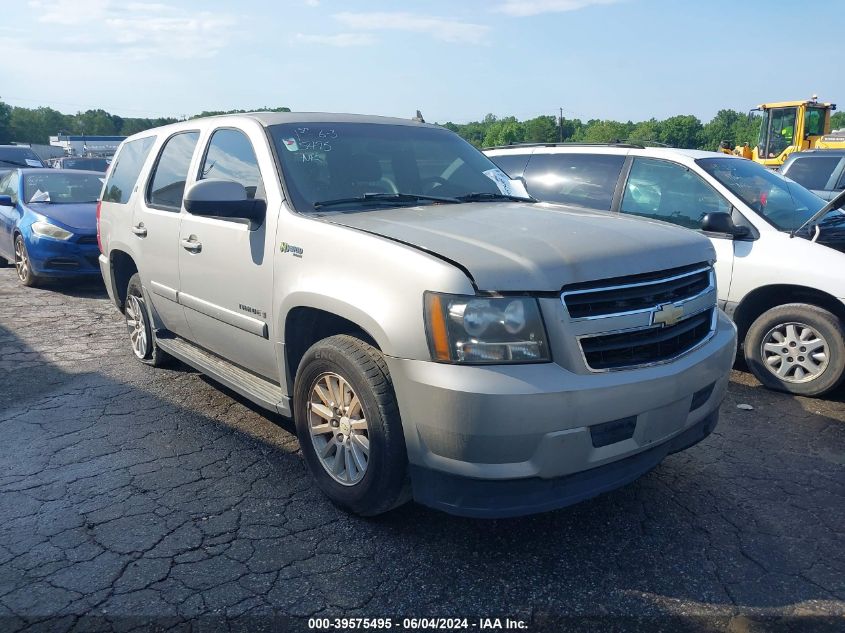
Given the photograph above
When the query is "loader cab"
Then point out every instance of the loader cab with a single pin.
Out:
(790, 126)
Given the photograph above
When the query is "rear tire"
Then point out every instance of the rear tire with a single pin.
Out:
(22, 264)
(797, 348)
(345, 409)
(141, 334)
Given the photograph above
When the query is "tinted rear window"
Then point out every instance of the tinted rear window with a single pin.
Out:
(813, 172)
(167, 182)
(125, 169)
(587, 180)
(512, 164)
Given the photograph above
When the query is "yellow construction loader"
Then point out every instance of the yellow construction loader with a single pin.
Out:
(793, 126)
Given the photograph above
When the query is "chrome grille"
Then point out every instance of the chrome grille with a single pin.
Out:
(642, 320)
(631, 294)
(644, 347)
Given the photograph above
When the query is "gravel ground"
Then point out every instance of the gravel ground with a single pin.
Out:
(132, 497)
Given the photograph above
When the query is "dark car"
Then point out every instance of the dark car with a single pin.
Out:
(12, 156)
(822, 171)
(48, 223)
(87, 164)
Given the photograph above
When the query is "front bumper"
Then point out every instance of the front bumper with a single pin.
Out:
(59, 258)
(508, 440)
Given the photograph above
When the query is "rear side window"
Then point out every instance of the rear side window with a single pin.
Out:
(512, 164)
(813, 172)
(125, 169)
(167, 182)
(230, 156)
(587, 180)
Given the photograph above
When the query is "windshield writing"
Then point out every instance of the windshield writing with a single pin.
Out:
(61, 187)
(347, 161)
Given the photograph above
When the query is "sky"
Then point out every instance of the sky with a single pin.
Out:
(453, 60)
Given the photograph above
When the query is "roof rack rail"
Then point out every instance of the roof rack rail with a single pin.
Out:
(623, 144)
(612, 144)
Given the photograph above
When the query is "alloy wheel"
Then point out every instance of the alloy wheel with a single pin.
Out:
(338, 429)
(21, 259)
(136, 323)
(795, 352)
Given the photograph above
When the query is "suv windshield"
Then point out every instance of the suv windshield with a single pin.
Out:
(783, 203)
(61, 187)
(355, 165)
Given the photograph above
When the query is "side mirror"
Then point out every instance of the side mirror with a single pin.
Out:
(6, 201)
(722, 223)
(218, 198)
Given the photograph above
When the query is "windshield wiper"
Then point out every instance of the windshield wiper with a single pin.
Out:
(384, 197)
(484, 195)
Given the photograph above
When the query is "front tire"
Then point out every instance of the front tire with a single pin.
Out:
(348, 425)
(141, 334)
(22, 264)
(797, 348)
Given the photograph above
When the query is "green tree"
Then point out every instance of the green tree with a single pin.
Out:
(96, 123)
(682, 131)
(837, 121)
(646, 131)
(723, 127)
(606, 131)
(505, 131)
(5, 123)
(542, 129)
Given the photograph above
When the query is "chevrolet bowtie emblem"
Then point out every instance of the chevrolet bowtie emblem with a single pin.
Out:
(667, 314)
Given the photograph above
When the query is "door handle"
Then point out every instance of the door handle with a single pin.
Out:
(191, 244)
(140, 230)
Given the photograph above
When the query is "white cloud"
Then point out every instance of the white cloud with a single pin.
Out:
(138, 30)
(521, 8)
(69, 12)
(340, 40)
(440, 28)
(312, 3)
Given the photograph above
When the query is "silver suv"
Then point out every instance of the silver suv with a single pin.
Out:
(434, 332)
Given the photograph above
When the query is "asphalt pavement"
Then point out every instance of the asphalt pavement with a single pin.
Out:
(136, 498)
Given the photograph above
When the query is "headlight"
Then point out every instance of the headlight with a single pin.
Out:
(45, 229)
(493, 330)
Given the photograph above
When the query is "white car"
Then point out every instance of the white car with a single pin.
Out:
(779, 269)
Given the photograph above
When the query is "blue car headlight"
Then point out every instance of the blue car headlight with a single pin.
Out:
(45, 229)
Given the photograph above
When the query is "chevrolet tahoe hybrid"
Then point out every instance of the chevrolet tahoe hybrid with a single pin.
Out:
(435, 333)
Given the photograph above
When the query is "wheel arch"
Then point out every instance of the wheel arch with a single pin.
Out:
(764, 298)
(307, 322)
(121, 268)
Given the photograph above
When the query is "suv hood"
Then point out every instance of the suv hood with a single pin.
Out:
(534, 247)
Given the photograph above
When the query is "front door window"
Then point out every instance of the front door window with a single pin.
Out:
(662, 190)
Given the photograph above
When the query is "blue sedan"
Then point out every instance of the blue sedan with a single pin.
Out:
(48, 223)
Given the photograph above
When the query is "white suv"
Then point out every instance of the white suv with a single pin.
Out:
(779, 269)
